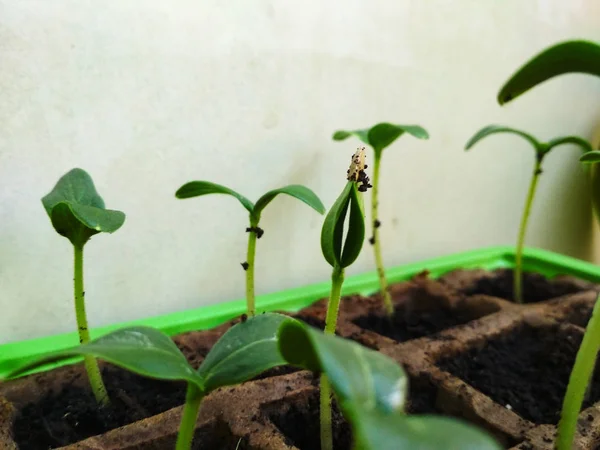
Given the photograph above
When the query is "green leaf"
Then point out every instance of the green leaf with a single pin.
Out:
(494, 129)
(576, 56)
(302, 193)
(332, 232)
(198, 188)
(77, 211)
(590, 157)
(143, 350)
(356, 230)
(244, 351)
(384, 134)
(376, 430)
(361, 378)
(363, 135)
(582, 143)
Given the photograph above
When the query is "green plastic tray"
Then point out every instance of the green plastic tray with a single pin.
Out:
(542, 261)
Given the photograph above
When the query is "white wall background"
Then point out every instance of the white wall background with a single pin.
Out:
(148, 95)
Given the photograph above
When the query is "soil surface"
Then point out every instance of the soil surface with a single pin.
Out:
(407, 324)
(536, 287)
(299, 421)
(527, 370)
(73, 414)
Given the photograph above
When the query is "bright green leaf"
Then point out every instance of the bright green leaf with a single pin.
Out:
(494, 129)
(332, 233)
(363, 135)
(582, 143)
(77, 211)
(198, 188)
(590, 157)
(143, 350)
(244, 351)
(384, 134)
(575, 56)
(361, 378)
(356, 230)
(302, 193)
(376, 430)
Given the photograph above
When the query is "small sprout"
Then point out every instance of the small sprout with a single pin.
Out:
(378, 137)
(302, 193)
(77, 212)
(541, 150)
(244, 351)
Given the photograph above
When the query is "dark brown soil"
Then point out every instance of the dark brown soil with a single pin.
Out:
(527, 369)
(422, 397)
(299, 422)
(536, 287)
(407, 324)
(579, 314)
(71, 415)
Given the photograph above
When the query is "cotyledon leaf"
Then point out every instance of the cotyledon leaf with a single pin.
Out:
(300, 192)
(332, 232)
(199, 188)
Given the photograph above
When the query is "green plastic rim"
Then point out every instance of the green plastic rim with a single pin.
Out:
(544, 262)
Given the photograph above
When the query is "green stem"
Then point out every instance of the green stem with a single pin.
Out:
(250, 299)
(579, 380)
(387, 299)
(518, 273)
(91, 365)
(337, 279)
(193, 398)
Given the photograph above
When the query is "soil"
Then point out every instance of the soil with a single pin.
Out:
(527, 370)
(72, 415)
(299, 422)
(407, 324)
(536, 287)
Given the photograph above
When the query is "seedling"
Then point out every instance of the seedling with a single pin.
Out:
(541, 150)
(379, 137)
(340, 253)
(77, 212)
(567, 57)
(244, 351)
(198, 188)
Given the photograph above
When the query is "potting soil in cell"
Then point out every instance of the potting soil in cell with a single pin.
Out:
(526, 370)
(536, 287)
(73, 414)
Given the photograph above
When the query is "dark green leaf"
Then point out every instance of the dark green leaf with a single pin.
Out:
(591, 157)
(302, 193)
(244, 351)
(332, 232)
(582, 143)
(361, 378)
(376, 430)
(356, 230)
(143, 350)
(198, 188)
(76, 210)
(384, 134)
(363, 135)
(576, 56)
(493, 129)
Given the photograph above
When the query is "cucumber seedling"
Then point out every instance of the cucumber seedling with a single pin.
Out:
(302, 193)
(244, 351)
(341, 253)
(541, 150)
(77, 212)
(379, 137)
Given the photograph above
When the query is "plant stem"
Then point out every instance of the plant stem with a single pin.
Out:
(193, 398)
(518, 273)
(91, 365)
(337, 279)
(250, 299)
(579, 380)
(385, 295)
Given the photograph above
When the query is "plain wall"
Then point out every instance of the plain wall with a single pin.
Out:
(147, 95)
